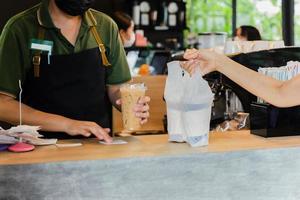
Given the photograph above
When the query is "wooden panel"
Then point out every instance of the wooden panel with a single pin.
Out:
(145, 146)
(156, 86)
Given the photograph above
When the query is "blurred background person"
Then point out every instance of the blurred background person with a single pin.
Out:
(126, 28)
(127, 35)
(247, 33)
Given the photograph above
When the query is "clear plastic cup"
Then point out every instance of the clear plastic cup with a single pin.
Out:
(130, 95)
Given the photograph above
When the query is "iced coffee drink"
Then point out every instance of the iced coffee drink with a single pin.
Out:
(130, 94)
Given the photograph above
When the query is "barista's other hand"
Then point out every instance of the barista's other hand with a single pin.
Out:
(141, 109)
(205, 59)
(86, 128)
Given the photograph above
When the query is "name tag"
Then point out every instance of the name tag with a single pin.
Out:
(42, 45)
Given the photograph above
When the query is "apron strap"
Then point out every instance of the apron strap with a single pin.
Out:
(36, 60)
(98, 40)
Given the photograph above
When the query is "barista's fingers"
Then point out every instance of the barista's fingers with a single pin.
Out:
(107, 130)
(143, 121)
(105, 134)
(100, 133)
(142, 105)
(145, 108)
(144, 100)
(119, 102)
(142, 115)
(141, 109)
(137, 108)
(106, 137)
(85, 133)
(94, 130)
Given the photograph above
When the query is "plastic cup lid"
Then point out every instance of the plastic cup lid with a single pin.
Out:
(140, 86)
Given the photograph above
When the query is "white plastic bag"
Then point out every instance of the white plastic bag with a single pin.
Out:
(196, 115)
(174, 91)
(189, 101)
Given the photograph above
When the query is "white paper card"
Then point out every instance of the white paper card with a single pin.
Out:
(69, 145)
(117, 141)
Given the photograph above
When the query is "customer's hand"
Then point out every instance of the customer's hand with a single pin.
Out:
(208, 61)
(141, 109)
(87, 129)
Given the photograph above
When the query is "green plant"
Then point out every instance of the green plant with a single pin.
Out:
(216, 16)
(268, 24)
(209, 15)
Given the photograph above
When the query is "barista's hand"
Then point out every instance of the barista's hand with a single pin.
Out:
(141, 109)
(87, 129)
(208, 61)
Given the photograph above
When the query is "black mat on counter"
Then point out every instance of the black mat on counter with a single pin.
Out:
(260, 174)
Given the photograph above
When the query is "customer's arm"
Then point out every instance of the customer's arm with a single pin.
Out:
(278, 93)
(9, 112)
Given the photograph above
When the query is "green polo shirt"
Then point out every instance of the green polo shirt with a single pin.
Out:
(16, 56)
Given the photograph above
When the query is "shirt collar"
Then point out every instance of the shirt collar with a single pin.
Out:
(89, 18)
(43, 15)
(45, 20)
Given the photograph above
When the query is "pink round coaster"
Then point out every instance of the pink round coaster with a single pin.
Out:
(21, 147)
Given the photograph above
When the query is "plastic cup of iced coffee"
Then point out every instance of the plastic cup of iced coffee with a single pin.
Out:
(130, 95)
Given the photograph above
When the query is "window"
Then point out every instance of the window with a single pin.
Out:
(209, 16)
(265, 15)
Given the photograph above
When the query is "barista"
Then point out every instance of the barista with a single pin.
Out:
(71, 63)
(278, 93)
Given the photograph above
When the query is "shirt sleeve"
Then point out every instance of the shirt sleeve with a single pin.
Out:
(119, 71)
(10, 62)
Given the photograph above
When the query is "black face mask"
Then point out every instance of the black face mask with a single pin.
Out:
(74, 7)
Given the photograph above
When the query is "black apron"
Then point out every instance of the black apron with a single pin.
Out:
(73, 86)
